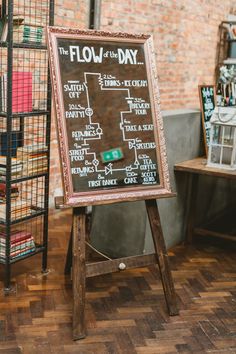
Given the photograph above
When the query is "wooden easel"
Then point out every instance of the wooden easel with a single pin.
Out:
(117, 167)
(81, 270)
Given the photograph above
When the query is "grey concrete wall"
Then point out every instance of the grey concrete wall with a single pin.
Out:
(123, 229)
(183, 142)
(118, 230)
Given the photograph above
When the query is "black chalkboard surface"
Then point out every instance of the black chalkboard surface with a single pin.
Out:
(110, 128)
(207, 103)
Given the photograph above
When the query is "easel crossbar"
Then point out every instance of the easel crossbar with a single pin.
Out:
(105, 267)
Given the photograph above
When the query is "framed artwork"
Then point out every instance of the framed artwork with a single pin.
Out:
(207, 104)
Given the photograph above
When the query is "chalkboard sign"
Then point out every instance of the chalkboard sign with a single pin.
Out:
(207, 103)
(110, 129)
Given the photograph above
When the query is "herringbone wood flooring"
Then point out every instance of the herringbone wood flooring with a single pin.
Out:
(125, 312)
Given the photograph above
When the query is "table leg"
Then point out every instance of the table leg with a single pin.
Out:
(191, 206)
(68, 263)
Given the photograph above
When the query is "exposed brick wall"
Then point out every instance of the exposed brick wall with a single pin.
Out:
(185, 37)
(72, 13)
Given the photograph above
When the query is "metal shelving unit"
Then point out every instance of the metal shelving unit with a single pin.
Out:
(224, 45)
(25, 106)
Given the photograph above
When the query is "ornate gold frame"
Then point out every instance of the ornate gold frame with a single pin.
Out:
(117, 194)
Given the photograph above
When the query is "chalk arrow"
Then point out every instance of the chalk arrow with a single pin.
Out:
(108, 169)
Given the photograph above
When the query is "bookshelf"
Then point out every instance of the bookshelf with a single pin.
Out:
(25, 115)
(226, 48)
(225, 73)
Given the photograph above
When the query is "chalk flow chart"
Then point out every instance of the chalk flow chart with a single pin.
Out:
(130, 163)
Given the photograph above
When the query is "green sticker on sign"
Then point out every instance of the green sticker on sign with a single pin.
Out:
(112, 155)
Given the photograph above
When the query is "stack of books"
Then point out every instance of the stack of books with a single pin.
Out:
(16, 168)
(22, 97)
(21, 243)
(34, 158)
(14, 192)
(20, 208)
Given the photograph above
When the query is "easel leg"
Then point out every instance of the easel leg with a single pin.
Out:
(68, 263)
(69, 254)
(78, 273)
(162, 256)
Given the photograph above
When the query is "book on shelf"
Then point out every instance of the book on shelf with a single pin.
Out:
(16, 167)
(36, 168)
(20, 254)
(21, 243)
(20, 208)
(34, 158)
(15, 237)
(22, 96)
(16, 246)
(16, 163)
(14, 192)
(34, 148)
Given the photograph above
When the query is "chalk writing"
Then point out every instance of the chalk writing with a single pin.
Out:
(108, 116)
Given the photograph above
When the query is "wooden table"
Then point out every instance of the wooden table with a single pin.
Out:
(195, 168)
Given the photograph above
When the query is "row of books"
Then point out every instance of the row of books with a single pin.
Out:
(14, 192)
(34, 158)
(22, 32)
(22, 97)
(20, 208)
(29, 160)
(21, 244)
(16, 168)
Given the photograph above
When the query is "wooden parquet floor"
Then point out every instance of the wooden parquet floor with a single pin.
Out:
(125, 312)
